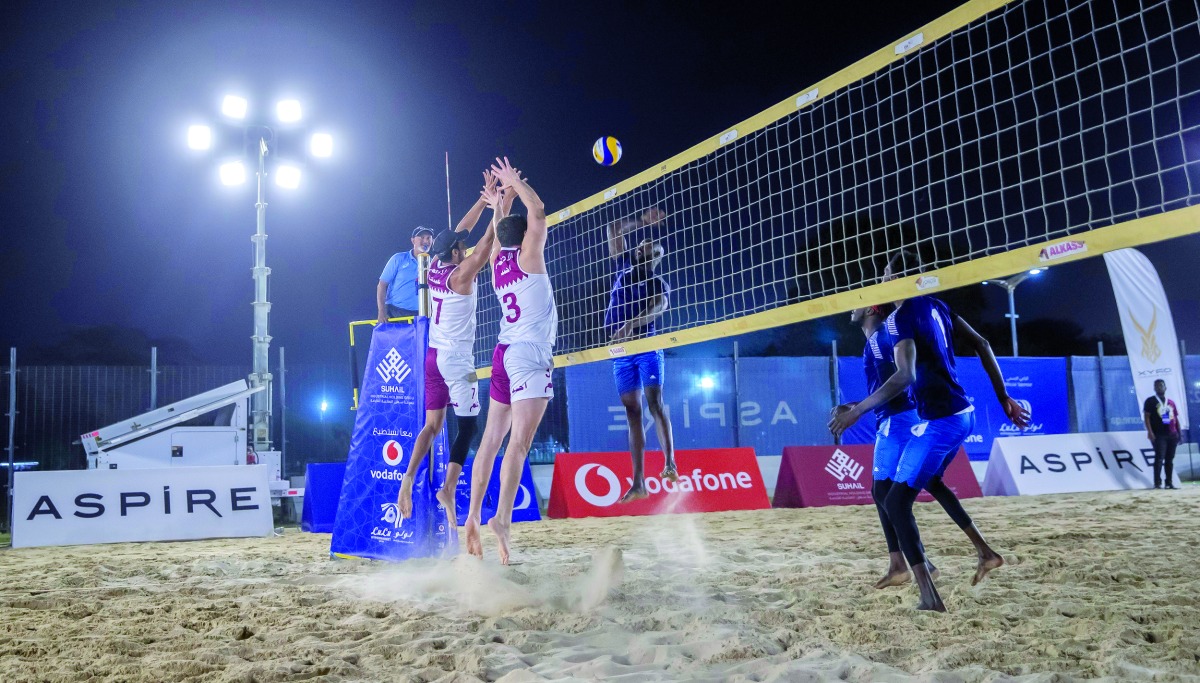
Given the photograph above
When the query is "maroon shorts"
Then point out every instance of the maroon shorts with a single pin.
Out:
(437, 394)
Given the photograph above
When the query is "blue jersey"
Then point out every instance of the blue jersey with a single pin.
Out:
(401, 275)
(633, 288)
(930, 324)
(879, 365)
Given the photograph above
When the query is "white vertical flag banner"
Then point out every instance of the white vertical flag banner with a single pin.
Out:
(1148, 327)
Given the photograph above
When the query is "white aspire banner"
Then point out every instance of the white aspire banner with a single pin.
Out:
(1148, 327)
(80, 507)
(1069, 463)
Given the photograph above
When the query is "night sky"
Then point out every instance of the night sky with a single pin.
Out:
(108, 218)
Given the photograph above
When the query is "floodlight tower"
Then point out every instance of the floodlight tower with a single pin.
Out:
(287, 175)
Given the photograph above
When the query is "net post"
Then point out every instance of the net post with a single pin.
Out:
(282, 415)
(834, 384)
(12, 425)
(423, 285)
(1187, 405)
(737, 398)
(1103, 402)
(153, 377)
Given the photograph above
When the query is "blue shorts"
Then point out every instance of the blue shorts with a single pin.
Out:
(931, 448)
(891, 437)
(639, 370)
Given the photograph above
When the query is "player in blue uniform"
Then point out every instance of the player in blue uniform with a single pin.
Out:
(638, 299)
(922, 334)
(893, 422)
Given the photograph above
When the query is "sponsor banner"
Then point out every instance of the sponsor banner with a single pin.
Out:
(79, 507)
(1148, 326)
(1069, 463)
(815, 476)
(1040, 384)
(525, 506)
(1062, 249)
(714, 480)
(391, 411)
(776, 395)
(323, 490)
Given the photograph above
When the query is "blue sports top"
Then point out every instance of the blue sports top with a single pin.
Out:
(929, 322)
(879, 364)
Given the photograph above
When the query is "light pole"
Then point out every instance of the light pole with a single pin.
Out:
(233, 172)
(1010, 285)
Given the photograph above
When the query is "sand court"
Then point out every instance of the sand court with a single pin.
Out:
(1097, 586)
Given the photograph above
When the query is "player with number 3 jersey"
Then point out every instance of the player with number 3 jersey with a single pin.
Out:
(521, 383)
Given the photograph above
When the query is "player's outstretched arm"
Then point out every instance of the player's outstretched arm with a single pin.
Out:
(471, 219)
(1014, 411)
(618, 229)
(654, 309)
(479, 256)
(535, 233)
(905, 352)
(616, 236)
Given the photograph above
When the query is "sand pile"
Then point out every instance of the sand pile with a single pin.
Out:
(1097, 586)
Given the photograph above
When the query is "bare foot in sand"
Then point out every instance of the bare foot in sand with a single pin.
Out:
(474, 544)
(894, 577)
(670, 473)
(501, 531)
(636, 492)
(986, 564)
(446, 498)
(404, 499)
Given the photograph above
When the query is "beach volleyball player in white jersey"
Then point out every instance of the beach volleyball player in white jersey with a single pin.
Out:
(521, 385)
(450, 380)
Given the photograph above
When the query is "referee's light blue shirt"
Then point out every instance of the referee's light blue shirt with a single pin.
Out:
(401, 275)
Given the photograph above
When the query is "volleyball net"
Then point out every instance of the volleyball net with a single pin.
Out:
(1000, 137)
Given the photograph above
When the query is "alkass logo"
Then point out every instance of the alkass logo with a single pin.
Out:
(927, 282)
(392, 453)
(698, 481)
(1060, 250)
(393, 367)
(842, 466)
(1150, 350)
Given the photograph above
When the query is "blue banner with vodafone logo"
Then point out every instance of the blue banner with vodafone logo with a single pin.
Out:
(391, 411)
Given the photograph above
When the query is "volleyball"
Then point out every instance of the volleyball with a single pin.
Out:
(607, 151)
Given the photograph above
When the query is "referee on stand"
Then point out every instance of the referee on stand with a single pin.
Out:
(396, 295)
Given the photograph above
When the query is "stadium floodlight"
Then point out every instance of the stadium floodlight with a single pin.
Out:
(234, 107)
(256, 133)
(287, 176)
(288, 111)
(199, 137)
(233, 173)
(1010, 285)
(707, 382)
(321, 145)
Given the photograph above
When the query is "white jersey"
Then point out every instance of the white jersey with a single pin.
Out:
(527, 312)
(452, 317)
